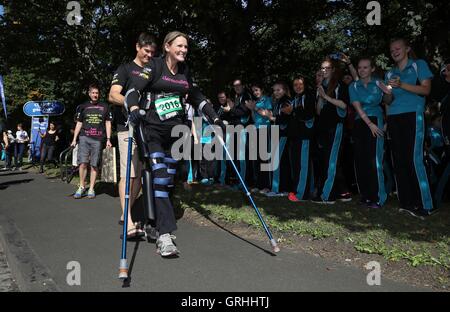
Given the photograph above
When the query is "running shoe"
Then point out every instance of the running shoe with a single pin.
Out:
(345, 197)
(91, 194)
(79, 193)
(165, 245)
(293, 198)
(319, 200)
(373, 205)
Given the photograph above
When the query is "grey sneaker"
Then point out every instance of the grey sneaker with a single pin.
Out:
(165, 245)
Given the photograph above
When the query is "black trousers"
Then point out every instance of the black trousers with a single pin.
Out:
(301, 168)
(369, 161)
(207, 167)
(262, 178)
(237, 145)
(332, 181)
(407, 132)
(347, 160)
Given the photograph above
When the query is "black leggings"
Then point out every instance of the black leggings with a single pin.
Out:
(47, 154)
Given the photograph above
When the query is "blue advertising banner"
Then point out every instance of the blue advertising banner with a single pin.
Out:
(38, 124)
(2, 95)
(43, 108)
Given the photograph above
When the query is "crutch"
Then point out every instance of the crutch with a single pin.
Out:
(123, 267)
(273, 242)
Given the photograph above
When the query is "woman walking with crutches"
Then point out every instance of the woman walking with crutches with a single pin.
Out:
(164, 96)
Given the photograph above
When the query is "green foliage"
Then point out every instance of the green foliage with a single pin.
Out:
(257, 40)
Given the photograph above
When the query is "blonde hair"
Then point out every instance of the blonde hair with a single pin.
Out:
(407, 43)
(170, 37)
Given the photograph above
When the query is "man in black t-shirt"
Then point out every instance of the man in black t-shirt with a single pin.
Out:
(137, 73)
(93, 124)
(240, 114)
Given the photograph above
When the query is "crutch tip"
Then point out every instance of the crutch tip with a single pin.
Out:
(276, 249)
(123, 274)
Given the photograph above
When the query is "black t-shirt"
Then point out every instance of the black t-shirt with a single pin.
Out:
(125, 76)
(50, 138)
(93, 116)
(179, 85)
(240, 114)
(331, 115)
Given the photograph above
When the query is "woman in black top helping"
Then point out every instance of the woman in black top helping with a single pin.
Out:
(49, 139)
(163, 100)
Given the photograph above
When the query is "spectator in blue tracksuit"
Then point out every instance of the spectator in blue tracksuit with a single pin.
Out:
(261, 117)
(366, 97)
(282, 109)
(410, 81)
(300, 134)
(440, 93)
(331, 111)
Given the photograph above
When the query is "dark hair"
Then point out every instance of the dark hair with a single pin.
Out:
(145, 39)
(20, 125)
(94, 85)
(257, 85)
(51, 123)
(406, 42)
(224, 92)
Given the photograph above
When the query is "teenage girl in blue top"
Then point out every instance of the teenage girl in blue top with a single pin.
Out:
(261, 115)
(366, 97)
(410, 80)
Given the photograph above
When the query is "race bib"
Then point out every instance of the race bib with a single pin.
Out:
(168, 107)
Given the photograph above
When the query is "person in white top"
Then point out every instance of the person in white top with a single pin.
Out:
(22, 139)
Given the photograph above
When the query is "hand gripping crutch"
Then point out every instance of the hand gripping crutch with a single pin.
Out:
(123, 267)
(273, 242)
